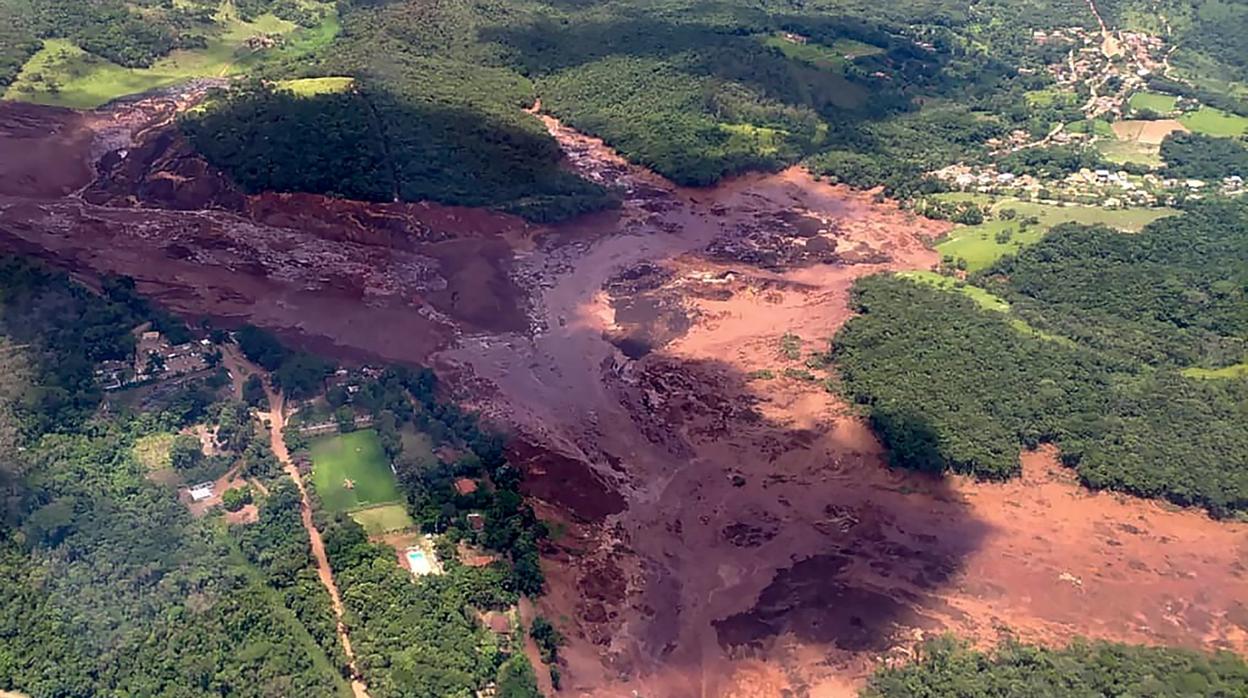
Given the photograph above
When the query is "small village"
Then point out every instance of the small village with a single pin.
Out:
(1103, 187)
(156, 359)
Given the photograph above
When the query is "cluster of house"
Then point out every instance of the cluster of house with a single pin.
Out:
(155, 358)
(1102, 187)
(1113, 66)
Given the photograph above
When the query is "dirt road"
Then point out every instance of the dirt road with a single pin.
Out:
(276, 418)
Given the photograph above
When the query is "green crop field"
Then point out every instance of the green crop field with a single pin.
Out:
(386, 518)
(356, 457)
(1153, 101)
(1215, 122)
(978, 245)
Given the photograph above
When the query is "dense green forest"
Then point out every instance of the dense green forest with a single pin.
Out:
(375, 144)
(1197, 156)
(948, 669)
(108, 586)
(1088, 358)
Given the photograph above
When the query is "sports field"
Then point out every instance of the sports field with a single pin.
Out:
(351, 471)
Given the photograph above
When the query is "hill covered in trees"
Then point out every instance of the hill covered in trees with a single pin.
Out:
(1090, 356)
(377, 145)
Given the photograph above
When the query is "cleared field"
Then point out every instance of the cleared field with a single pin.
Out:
(981, 297)
(1153, 101)
(1122, 152)
(417, 445)
(978, 244)
(386, 518)
(1215, 122)
(1148, 132)
(310, 87)
(152, 451)
(822, 55)
(351, 472)
(1239, 370)
(62, 74)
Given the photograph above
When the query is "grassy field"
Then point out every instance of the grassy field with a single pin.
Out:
(821, 55)
(62, 74)
(981, 297)
(977, 244)
(386, 518)
(1239, 370)
(1097, 127)
(417, 445)
(1215, 122)
(1153, 101)
(310, 87)
(356, 457)
(1122, 152)
(152, 451)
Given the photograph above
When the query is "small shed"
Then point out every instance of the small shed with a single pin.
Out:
(201, 492)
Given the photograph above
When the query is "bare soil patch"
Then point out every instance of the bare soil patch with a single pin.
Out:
(1147, 132)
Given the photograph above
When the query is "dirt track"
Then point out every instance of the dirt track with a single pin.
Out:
(722, 536)
(276, 418)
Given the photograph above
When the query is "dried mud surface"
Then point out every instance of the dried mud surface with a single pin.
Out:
(721, 534)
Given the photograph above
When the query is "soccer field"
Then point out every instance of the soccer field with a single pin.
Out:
(351, 471)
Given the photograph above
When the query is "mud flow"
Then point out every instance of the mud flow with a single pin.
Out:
(725, 525)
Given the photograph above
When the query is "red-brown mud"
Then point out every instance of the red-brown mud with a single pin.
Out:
(726, 526)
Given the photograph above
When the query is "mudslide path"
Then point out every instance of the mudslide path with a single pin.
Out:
(277, 420)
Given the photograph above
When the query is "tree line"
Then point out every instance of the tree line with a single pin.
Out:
(1110, 321)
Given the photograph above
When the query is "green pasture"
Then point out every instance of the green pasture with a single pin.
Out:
(977, 244)
(1153, 101)
(822, 55)
(1121, 152)
(1096, 127)
(357, 457)
(310, 87)
(1239, 370)
(385, 518)
(1215, 122)
(62, 74)
(982, 298)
